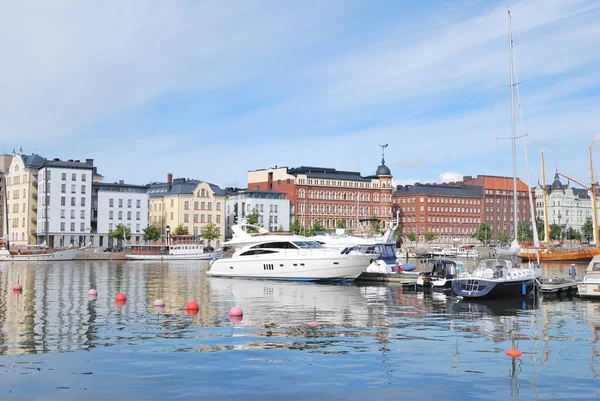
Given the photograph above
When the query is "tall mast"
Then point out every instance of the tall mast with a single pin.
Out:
(594, 211)
(514, 141)
(546, 228)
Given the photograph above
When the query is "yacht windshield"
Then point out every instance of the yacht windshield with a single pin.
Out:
(308, 245)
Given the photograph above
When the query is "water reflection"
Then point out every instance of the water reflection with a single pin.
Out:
(368, 337)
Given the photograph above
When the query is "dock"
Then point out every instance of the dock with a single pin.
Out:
(405, 279)
(558, 286)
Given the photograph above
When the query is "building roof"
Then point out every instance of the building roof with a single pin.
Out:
(33, 161)
(101, 185)
(468, 191)
(495, 182)
(88, 164)
(180, 186)
(327, 173)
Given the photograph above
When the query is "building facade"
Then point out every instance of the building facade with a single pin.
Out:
(118, 203)
(273, 207)
(21, 181)
(567, 207)
(64, 202)
(498, 202)
(5, 161)
(452, 213)
(330, 196)
(191, 203)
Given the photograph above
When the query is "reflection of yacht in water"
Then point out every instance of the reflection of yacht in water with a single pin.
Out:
(285, 302)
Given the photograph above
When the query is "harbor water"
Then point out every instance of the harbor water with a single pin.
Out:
(371, 342)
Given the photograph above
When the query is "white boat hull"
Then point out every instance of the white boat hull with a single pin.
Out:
(67, 254)
(284, 267)
(589, 289)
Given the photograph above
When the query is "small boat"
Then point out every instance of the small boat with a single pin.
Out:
(442, 273)
(496, 278)
(290, 257)
(39, 255)
(178, 251)
(589, 287)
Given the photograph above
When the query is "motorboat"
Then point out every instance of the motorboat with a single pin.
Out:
(403, 253)
(497, 278)
(38, 254)
(589, 287)
(187, 250)
(290, 257)
(442, 273)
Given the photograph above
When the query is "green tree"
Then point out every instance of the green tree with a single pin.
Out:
(525, 232)
(151, 233)
(429, 236)
(210, 233)
(503, 237)
(376, 224)
(253, 218)
(280, 229)
(587, 230)
(573, 234)
(317, 226)
(120, 233)
(484, 233)
(341, 223)
(295, 227)
(181, 230)
(539, 225)
(555, 231)
(411, 237)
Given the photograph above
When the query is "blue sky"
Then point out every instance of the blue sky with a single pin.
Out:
(208, 91)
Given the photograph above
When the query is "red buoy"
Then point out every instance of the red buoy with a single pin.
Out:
(120, 302)
(235, 319)
(314, 324)
(236, 311)
(400, 270)
(121, 297)
(514, 353)
(18, 288)
(192, 305)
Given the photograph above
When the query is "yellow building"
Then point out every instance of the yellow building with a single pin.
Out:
(191, 203)
(21, 198)
(4, 165)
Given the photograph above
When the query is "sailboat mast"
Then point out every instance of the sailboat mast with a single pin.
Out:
(593, 195)
(546, 228)
(514, 140)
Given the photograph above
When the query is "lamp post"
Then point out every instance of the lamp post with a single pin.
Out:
(168, 231)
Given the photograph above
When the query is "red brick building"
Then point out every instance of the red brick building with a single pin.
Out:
(498, 202)
(451, 212)
(329, 195)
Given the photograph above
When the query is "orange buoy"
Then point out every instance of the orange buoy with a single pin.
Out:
(120, 302)
(313, 324)
(514, 353)
(192, 305)
(121, 297)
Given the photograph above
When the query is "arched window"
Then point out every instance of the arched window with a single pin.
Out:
(301, 193)
(376, 198)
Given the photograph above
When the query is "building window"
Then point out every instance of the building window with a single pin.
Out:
(129, 202)
(209, 205)
(73, 191)
(195, 218)
(111, 202)
(82, 227)
(137, 215)
(82, 177)
(72, 214)
(82, 201)
(128, 215)
(137, 228)
(209, 218)
(196, 205)
(138, 204)
(64, 178)
(83, 189)
(201, 218)
(110, 215)
(186, 218)
(120, 215)
(72, 227)
(120, 202)
(73, 178)
(186, 205)
(218, 206)
(72, 201)
(218, 218)
(63, 188)
(63, 201)
(62, 224)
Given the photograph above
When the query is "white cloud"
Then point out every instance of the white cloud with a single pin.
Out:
(450, 177)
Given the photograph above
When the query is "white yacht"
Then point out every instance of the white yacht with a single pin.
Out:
(589, 287)
(289, 257)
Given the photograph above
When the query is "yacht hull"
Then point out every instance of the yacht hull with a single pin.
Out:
(67, 254)
(480, 288)
(305, 268)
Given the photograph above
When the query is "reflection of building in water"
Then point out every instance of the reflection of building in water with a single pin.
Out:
(16, 310)
(592, 317)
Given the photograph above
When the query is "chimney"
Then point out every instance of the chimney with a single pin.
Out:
(121, 182)
(169, 181)
(89, 162)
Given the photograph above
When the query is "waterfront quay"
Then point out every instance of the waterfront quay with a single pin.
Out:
(371, 341)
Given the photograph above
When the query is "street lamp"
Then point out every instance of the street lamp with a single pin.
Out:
(168, 231)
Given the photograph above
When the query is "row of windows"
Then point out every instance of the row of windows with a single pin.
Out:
(120, 215)
(111, 202)
(345, 210)
(346, 196)
(441, 219)
(457, 201)
(440, 230)
(63, 176)
(336, 183)
(202, 218)
(111, 227)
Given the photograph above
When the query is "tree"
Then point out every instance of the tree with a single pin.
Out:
(253, 219)
(317, 226)
(411, 237)
(555, 231)
(210, 233)
(484, 233)
(587, 230)
(341, 223)
(573, 234)
(280, 229)
(151, 233)
(120, 233)
(503, 237)
(181, 230)
(525, 232)
(539, 225)
(295, 227)
(429, 236)
(376, 224)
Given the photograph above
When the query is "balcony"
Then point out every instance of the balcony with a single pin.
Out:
(34, 196)
(35, 184)
(34, 220)
(34, 208)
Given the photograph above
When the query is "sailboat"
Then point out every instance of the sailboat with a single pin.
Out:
(575, 255)
(501, 278)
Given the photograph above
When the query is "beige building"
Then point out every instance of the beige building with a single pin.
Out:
(4, 165)
(191, 203)
(21, 198)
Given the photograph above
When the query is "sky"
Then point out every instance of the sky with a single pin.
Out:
(210, 90)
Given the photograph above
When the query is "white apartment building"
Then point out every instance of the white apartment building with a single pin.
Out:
(64, 202)
(273, 207)
(115, 204)
(567, 206)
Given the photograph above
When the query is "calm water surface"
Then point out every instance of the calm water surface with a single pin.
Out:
(373, 342)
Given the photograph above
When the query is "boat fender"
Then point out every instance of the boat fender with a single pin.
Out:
(523, 288)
